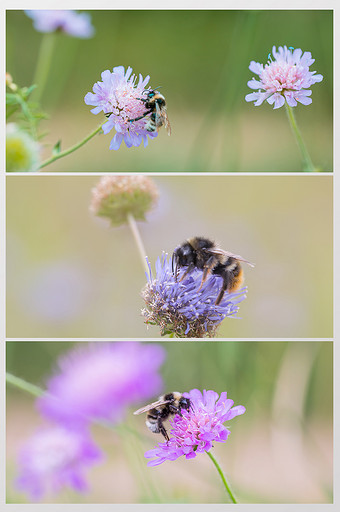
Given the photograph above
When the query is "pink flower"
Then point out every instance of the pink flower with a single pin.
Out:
(119, 97)
(53, 458)
(97, 382)
(287, 78)
(195, 431)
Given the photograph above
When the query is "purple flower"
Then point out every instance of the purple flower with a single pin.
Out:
(54, 458)
(72, 23)
(287, 78)
(195, 431)
(180, 307)
(119, 96)
(100, 380)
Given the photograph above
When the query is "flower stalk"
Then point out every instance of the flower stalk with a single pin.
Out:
(138, 239)
(61, 154)
(307, 162)
(223, 478)
(44, 64)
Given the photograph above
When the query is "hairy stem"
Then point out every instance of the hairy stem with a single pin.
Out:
(224, 480)
(307, 162)
(139, 242)
(71, 149)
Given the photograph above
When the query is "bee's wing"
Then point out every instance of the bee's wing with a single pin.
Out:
(162, 114)
(217, 250)
(147, 408)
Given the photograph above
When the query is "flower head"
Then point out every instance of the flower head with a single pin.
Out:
(22, 152)
(119, 96)
(99, 381)
(72, 23)
(54, 458)
(115, 197)
(181, 307)
(195, 431)
(285, 79)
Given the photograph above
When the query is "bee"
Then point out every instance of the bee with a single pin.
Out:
(204, 254)
(155, 106)
(158, 412)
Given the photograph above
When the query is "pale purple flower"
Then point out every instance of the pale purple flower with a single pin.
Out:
(195, 431)
(285, 79)
(119, 96)
(68, 21)
(181, 307)
(54, 458)
(98, 381)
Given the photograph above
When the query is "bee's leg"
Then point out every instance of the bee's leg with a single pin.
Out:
(207, 269)
(225, 285)
(175, 410)
(191, 267)
(138, 118)
(162, 430)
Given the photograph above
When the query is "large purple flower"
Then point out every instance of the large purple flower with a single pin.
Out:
(181, 307)
(119, 97)
(195, 431)
(72, 23)
(99, 381)
(53, 458)
(285, 79)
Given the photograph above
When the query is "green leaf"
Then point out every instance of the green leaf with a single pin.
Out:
(57, 148)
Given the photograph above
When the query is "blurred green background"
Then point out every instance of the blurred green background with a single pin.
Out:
(69, 274)
(279, 451)
(200, 59)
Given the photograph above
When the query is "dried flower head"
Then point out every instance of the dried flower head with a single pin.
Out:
(71, 22)
(115, 197)
(285, 79)
(53, 458)
(119, 97)
(195, 431)
(183, 309)
(98, 381)
(22, 152)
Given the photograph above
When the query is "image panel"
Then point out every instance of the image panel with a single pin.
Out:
(140, 256)
(239, 90)
(258, 412)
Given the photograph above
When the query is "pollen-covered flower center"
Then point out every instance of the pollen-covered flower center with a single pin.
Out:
(127, 104)
(279, 76)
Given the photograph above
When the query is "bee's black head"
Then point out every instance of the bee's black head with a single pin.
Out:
(185, 403)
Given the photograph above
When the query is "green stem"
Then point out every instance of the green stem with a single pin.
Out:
(72, 148)
(23, 385)
(43, 64)
(138, 239)
(307, 162)
(224, 480)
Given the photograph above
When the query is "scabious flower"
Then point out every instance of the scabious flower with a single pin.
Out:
(22, 151)
(285, 79)
(180, 308)
(114, 197)
(54, 458)
(71, 22)
(195, 431)
(118, 96)
(100, 380)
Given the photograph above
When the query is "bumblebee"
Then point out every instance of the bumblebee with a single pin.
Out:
(155, 106)
(158, 412)
(204, 254)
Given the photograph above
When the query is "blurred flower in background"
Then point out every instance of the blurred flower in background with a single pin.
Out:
(285, 79)
(181, 308)
(119, 97)
(22, 151)
(115, 197)
(195, 430)
(97, 382)
(53, 458)
(71, 22)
